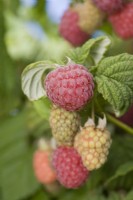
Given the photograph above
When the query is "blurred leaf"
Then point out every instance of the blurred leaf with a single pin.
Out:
(41, 6)
(8, 79)
(114, 79)
(21, 181)
(120, 154)
(114, 196)
(84, 194)
(32, 79)
(40, 195)
(129, 195)
(122, 171)
(43, 107)
(95, 178)
(93, 49)
(12, 5)
(37, 125)
(17, 177)
(12, 129)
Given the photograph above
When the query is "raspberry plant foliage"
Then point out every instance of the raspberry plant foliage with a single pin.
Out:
(113, 76)
(31, 79)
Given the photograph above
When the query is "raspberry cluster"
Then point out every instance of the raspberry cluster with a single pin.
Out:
(89, 152)
(78, 150)
(81, 20)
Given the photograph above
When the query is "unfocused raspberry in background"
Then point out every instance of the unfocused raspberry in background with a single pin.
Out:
(122, 21)
(70, 29)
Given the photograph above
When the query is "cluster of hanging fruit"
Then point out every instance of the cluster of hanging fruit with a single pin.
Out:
(77, 150)
(81, 20)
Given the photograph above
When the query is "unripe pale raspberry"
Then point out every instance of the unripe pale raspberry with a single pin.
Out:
(122, 21)
(64, 125)
(109, 6)
(43, 169)
(90, 17)
(93, 144)
(70, 30)
(69, 167)
(69, 87)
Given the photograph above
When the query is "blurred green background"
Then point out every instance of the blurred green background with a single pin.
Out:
(29, 33)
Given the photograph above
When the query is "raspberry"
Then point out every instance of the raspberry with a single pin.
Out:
(109, 6)
(92, 144)
(90, 17)
(70, 87)
(70, 30)
(127, 118)
(42, 167)
(122, 21)
(69, 167)
(64, 125)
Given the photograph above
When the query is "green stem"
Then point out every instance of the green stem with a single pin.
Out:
(77, 1)
(93, 112)
(115, 121)
(120, 124)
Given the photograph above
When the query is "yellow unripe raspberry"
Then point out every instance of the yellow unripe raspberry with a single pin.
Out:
(93, 143)
(90, 17)
(65, 125)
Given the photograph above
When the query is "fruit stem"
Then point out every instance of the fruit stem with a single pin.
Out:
(119, 124)
(93, 112)
(77, 1)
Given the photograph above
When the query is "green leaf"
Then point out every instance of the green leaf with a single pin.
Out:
(92, 51)
(40, 195)
(122, 171)
(17, 178)
(32, 79)
(114, 196)
(83, 193)
(129, 195)
(98, 50)
(43, 107)
(114, 78)
(120, 153)
(37, 123)
(9, 85)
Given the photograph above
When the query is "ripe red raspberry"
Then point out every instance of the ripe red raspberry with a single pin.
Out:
(42, 167)
(122, 21)
(109, 6)
(70, 87)
(70, 30)
(69, 168)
